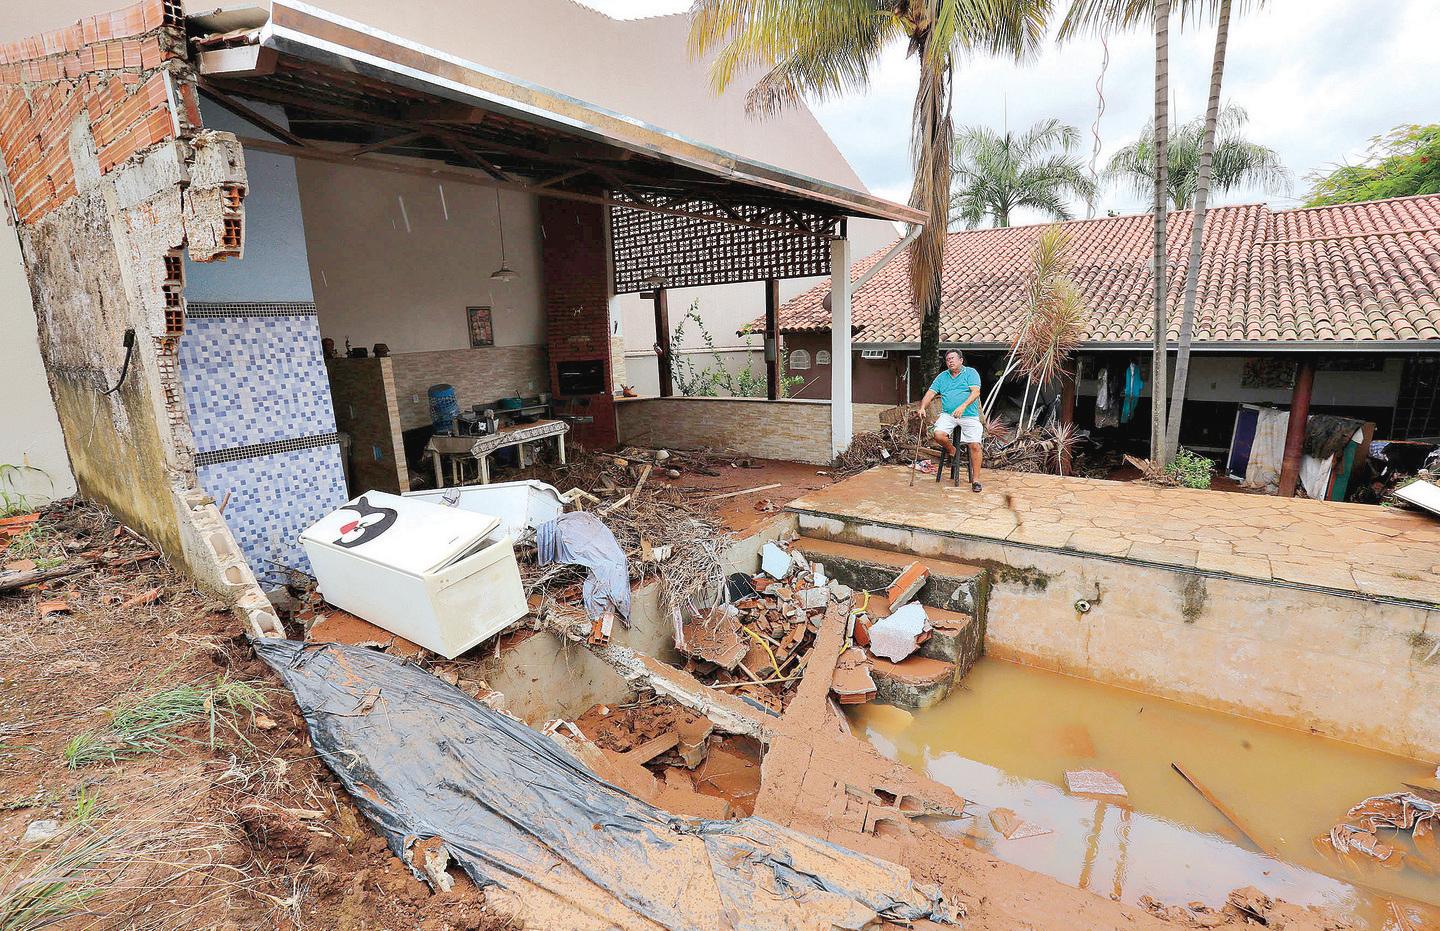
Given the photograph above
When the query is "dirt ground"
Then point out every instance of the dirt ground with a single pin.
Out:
(745, 512)
(243, 830)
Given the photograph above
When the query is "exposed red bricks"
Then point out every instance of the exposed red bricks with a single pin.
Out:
(577, 304)
(109, 66)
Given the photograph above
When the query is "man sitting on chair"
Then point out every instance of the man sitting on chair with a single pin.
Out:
(959, 390)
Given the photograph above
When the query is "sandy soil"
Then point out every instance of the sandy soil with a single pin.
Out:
(248, 832)
(743, 513)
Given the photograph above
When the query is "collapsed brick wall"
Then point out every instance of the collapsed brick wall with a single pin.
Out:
(108, 177)
(576, 262)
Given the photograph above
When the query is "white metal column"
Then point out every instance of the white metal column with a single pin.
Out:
(842, 417)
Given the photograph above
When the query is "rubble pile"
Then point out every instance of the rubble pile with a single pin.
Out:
(758, 642)
(666, 534)
(895, 442)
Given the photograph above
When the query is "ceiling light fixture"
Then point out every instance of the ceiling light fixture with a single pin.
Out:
(504, 272)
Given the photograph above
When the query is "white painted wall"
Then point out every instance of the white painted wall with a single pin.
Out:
(396, 258)
(275, 266)
(29, 430)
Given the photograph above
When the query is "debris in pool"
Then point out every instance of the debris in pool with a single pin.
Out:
(897, 636)
(1399, 812)
(1094, 782)
(774, 561)
(1013, 827)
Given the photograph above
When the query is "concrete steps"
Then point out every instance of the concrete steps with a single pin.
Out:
(954, 597)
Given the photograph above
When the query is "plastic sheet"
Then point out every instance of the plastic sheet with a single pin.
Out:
(520, 815)
(583, 539)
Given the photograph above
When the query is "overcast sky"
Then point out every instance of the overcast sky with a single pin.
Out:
(1318, 78)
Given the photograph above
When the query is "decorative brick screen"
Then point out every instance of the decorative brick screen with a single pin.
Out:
(687, 252)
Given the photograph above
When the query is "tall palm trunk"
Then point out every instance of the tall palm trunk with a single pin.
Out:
(1162, 201)
(1197, 233)
(931, 146)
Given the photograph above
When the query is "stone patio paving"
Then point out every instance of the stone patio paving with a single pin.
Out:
(1354, 548)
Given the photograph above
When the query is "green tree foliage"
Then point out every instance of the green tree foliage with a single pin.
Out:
(714, 379)
(1401, 163)
(1238, 162)
(996, 173)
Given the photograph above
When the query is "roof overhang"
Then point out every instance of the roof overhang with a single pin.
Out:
(1346, 346)
(343, 83)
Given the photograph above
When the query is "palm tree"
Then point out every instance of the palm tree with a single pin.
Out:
(1236, 161)
(825, 47)
(1100, 15)
(995, 173)
(1097, 14)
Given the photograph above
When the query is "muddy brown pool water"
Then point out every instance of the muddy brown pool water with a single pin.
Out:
(1006, 738)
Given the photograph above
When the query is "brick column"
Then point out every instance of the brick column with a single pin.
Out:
(576, 272)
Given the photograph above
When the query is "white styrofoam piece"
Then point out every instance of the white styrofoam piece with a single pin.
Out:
(893, 637)
(774, 561)
(1093, 782)
(520, 506)
(1422, 494)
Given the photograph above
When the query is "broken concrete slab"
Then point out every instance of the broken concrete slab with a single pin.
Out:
(1094, 782)
(692, 732)
(851, 681)
(774, 561)
(913, 683)
(1013, 827)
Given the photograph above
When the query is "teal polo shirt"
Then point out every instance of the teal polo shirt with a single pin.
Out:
(954, 389)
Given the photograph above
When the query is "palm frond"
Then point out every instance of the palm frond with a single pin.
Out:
(1094, 17)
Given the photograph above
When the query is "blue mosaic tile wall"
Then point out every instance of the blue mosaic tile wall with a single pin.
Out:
(254, 379)
(273, 499)
(251, 377)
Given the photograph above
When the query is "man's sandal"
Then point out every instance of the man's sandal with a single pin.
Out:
(975, 487)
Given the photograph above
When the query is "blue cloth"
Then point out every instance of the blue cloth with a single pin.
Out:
(582, 539)
(1134, 384)
(955, 389)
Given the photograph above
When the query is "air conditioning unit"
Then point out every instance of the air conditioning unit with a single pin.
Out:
(874, 353)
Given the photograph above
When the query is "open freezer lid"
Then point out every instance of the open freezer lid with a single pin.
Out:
(407, 534)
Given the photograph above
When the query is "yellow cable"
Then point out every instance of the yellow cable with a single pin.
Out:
(774, 663)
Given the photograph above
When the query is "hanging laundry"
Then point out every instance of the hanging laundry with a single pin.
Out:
(1134, 384)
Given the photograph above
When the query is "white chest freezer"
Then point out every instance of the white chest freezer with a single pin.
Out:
(441, 577)
(520, 506)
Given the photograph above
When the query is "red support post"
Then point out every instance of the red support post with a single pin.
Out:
(662, 342)
(1295, 430)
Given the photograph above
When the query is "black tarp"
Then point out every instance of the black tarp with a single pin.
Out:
(515, 811)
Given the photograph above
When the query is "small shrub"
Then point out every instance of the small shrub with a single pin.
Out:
(1192, 469)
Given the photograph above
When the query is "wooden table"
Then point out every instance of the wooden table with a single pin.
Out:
(480, 448)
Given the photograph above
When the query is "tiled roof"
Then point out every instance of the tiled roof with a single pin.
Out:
(1363, 272)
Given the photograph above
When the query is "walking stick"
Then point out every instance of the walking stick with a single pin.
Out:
(919, 435)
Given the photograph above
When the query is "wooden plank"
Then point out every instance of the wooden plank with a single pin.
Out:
(747, 491)
(1225, 810)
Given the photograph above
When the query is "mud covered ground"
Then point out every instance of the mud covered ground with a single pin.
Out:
(220, 819)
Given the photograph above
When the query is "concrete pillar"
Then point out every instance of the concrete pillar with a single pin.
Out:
(842, 417)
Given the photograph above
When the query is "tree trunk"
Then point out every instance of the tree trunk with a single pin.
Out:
(1161, 321)
(931, 147)
(1197, 233)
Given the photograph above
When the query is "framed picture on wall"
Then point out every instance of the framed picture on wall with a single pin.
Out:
(481, 326)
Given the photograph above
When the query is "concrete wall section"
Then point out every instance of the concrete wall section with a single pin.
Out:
(787, 429)
(397, 259)
(30, 438)
(275, 267)
(363, 392)
(1350, 668)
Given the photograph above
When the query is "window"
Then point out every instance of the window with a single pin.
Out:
(799, 360)
(822, 357)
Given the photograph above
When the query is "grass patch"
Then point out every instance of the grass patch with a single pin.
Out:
(56, 887)
(150, 724)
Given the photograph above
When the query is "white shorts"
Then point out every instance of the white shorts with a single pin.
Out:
(970, 429)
